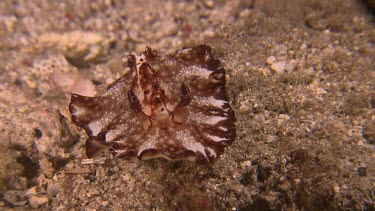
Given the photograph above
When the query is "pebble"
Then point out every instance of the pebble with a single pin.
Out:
(362, 171)
(297, 181)
(244, 106)
(271, 138)
(271, 60)
(208, 33)
(316, 21)
(290, 66)
(36, 201)
(13, 198)
(53, 189)
(246, 164)
(76, 44)
(126, 177)
(265, 72)
(278, 67)
(46, 167)
(73, 83)
(30, 192)
(336, 189)
(208, 3)
(9, 22)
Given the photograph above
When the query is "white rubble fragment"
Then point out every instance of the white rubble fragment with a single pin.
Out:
(265, 71)
(9, 22)
(30, 192)
(279, 67)
(53, 189)
(36, 201)
(13, 198)
(76, 44)
(246, 164)
(93, 51)
(64, 81)
(88, 161)
(126, 177)
(271, 60)
(74, 83)
(61, 76)
(290, 66)
(271, 138)
(244, 106)
(336, 189)
(208, 3)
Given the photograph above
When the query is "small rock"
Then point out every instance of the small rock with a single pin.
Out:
(84, 162)
(278, 67)
(126, 177)
(36, 201)
(336, 189)
(360, 143)
(209, 33)
(244, 106)
(53, 189)
(290, 66)
(46, 167)
(369, 132)
(209, 3)
(64, 80)
(20, 203)
(271, 60)
(9, 22)
(77, 45)
(77, 170)
(73, 83)
(13, 197)
(362, 171)
(271, 138)
(265, 72)
(297, 181)
(282, 118)
(30, 192)
(21, 183)
(316, 21)
(246, 164)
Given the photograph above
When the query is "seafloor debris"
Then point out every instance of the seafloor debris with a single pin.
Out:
(79, 47)
(172, 106)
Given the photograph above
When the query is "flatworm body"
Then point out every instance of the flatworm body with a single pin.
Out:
(172, 106)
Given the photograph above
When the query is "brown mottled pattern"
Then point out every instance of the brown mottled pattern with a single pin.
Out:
(170, 105)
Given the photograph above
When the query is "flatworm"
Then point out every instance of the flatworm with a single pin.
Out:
(171, 106)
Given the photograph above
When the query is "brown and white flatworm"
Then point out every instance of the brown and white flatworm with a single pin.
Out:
(172, 106)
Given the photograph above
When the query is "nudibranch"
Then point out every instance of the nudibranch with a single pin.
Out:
(171, 106)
